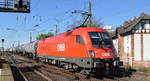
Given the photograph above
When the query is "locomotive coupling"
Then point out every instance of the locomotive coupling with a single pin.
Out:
(98, 65)
(117, 62)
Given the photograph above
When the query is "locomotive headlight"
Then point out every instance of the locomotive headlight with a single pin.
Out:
(91, 52)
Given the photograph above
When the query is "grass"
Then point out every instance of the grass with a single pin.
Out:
(145, 70)
(148, 78)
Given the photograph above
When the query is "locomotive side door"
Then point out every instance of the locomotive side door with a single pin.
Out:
(78, 47)
(43, 47)
(40, 48)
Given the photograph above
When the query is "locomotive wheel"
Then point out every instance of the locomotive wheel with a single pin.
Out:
(85, 71)
(66, 66)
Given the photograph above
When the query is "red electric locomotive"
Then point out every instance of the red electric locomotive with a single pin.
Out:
(85, 49)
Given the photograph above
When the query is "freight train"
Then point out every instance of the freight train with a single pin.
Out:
(85, 50)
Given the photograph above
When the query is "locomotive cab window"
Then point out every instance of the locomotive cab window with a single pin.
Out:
(100, 39)
(79, 39)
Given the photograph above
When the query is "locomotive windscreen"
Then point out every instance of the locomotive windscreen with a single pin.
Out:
(100, 39)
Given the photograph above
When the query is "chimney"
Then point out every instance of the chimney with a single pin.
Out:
(142, 14)
(125, 23)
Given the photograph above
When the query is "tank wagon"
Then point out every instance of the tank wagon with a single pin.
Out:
(85, 50)
(29, 49)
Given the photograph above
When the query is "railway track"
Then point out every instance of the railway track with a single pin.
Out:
(56, 74)
(29, 66)
(37, 71)
(26, 70)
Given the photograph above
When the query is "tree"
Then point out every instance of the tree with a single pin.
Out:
(42, 36)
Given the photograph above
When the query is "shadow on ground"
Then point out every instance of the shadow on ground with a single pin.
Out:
(119, 73)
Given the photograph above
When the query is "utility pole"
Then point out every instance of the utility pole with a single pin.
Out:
(56, 30)
(18, 43)
(30, 37)
(90, 11)
(13, 44)
(87, 13)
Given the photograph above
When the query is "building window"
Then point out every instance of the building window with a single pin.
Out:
(147, 24)
(79, 39)
(141, 25)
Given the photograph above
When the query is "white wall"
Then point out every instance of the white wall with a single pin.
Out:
(146, 46)
(127, 44)
(137, 47)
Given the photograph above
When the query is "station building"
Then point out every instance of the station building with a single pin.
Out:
(132, 41)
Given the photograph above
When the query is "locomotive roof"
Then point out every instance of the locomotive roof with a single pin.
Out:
(78, 31)
(89, 29)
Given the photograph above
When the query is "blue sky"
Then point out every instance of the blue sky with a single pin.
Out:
(45, 14)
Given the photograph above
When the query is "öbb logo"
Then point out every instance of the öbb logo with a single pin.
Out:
(61, 47)
(105, 54)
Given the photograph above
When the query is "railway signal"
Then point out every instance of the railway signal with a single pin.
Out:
(2, 45)
(18, 6)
